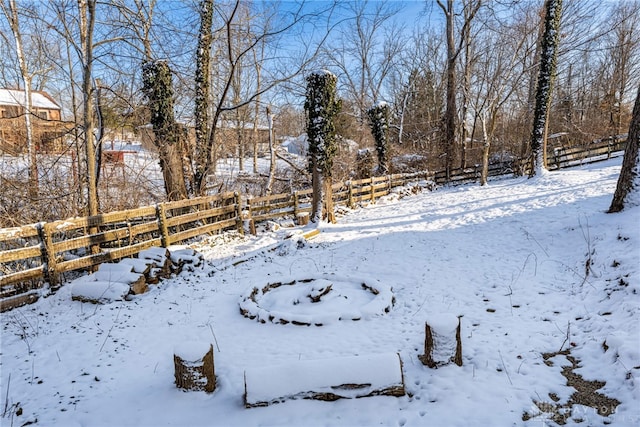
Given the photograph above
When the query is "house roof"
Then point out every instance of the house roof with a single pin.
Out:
(16, 98)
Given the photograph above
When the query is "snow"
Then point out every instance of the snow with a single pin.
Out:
(17, 98)
(192, 351)
(443, 323)
(322, 72)
(89, 289)
(137, 265)
(116, 272)
(532, 265)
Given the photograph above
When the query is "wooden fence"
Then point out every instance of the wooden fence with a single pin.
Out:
(557, 158)
(560, 158)
(34, 254)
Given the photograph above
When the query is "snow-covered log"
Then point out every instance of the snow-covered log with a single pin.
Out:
(328, 379)
(87, 289)
(194, 368)
(123, 273)
(442, 344)
(138, 265)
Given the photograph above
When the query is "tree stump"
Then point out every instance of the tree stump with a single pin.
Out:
(302, 218)
(194, 368)
(442, 344)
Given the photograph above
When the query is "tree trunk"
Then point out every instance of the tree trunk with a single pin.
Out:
(317, 186)
(272, 154)
(168, 134)
(87, 9)
(485, 151)
(328, 200)
(546, 75)
(628, 187)
(466, 89)
(321, 106)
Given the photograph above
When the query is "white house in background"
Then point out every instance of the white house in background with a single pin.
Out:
(48, 129)
(300, 146)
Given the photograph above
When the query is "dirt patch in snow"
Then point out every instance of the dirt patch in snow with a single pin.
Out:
(586, 394)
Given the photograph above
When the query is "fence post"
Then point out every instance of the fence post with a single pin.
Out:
(48, 255)
(390, 184)
(373, 193)
(296, 204)
(556, 157)
(239, 221)
(350, 194)
(252, 224)
(161, 213)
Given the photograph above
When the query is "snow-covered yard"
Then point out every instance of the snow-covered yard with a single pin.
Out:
(532, 266)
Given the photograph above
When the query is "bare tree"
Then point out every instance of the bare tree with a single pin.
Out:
(471, 7)
(204, 159)
(418, 93)
(498, 75)
(87, 19)
(364, 54)
(624, 46)
(628, 188)
(11, 13)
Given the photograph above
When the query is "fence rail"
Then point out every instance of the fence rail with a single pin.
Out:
(38, 253)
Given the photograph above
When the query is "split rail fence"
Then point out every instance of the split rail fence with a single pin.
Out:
(35, 254)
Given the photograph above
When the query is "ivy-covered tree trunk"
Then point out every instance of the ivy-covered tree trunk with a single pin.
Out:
(628, 189)
(156, 80)
(203, 83)
(321, 106)
(379, 123)
(548, 57)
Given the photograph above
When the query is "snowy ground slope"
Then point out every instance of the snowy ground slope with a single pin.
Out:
(511, 258)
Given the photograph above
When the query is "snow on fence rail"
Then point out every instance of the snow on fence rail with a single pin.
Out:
(37, 253)
(43, 252)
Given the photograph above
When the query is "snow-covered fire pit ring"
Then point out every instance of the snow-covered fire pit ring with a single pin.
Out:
(317, 300)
